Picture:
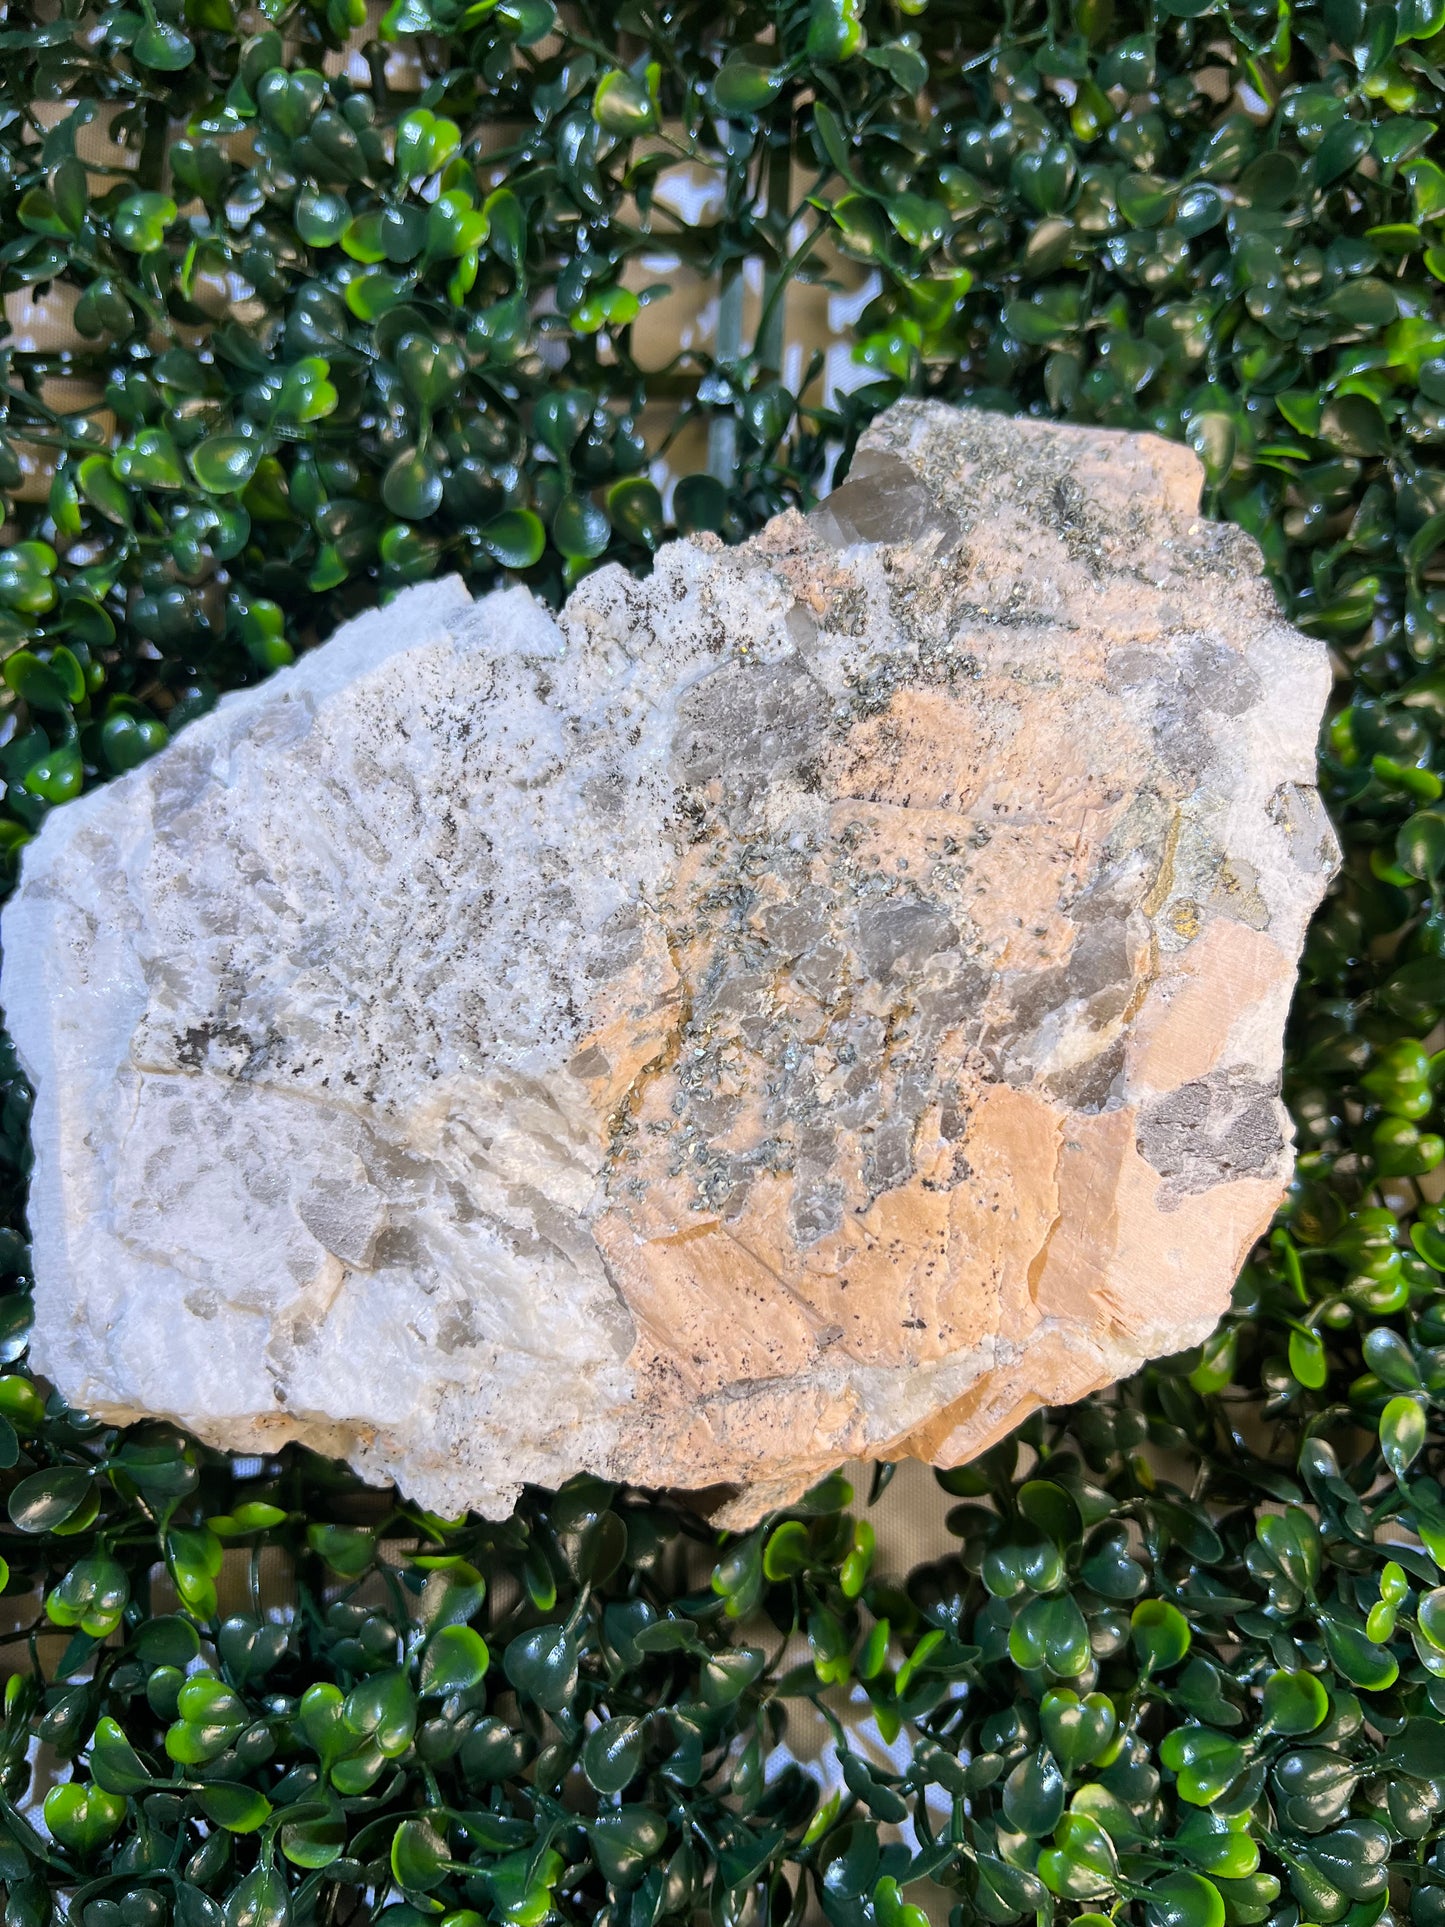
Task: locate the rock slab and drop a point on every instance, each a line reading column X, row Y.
column 822, row 1001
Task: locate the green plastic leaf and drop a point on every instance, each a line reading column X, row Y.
column 1082, row 1863
column 289, row 102
column 636, row 510
column 1077, row 1731
column 425, row 142
column 613, row 1753
column 626, row 104
column 348, row 1550
column 261, row 1899
column 1206, row 1762
column 314, row 1842
column 149, row 460
column 412, row 485
column 1160, row 1634
column 1050, row 1632
column 786, row 1553
column 238, row 1809
column 419, row 1855
column 92, row 1595
column 44, row 1500
column 1294, row 1702
column 1430, row 1617
column 1363, row 1663
column 727, row 1675
column 515, row 538
column 699, row 502
column 141, row 222
column 542, row 1665
column 744, row 84
column 580, row 529
column 1402, row 1433
column 1307, row 1360
column 98, row 484
column 1184, row 1900
column 164, row 47
column 456, row 1659
column 224, row 464
column 1293, row 1541
column 1214, row 437
column 1034, row 1794
column 114, row 1763
column 559, row 418
column 625, row 1840
column 83, row 1818
column 1219, row 1844
column 44, row 685
column 835, row 30
column 382, row 1708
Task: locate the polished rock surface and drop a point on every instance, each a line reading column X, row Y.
column 822, row 1001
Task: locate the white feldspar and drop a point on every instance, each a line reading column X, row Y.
column 819, row 1002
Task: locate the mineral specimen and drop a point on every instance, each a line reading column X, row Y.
column 821, row 1001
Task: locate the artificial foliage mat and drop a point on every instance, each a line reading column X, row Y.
column 1186, row 1665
